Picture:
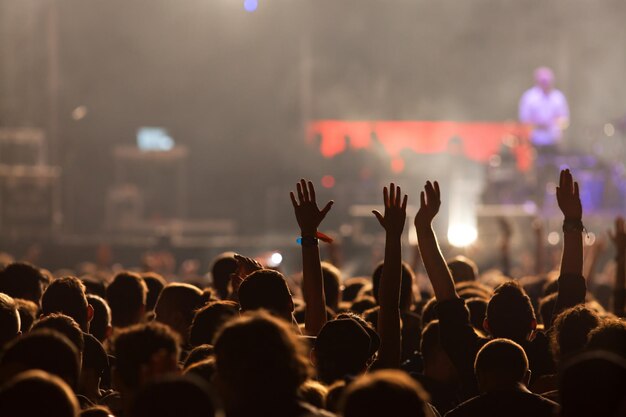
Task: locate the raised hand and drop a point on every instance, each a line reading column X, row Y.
column 618, row 237
column 568, row 197
column 430, row 202
column 308, row 215
column 395, row 210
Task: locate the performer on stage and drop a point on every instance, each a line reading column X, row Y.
column 545, row 109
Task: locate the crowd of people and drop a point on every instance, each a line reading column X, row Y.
column 132, row 344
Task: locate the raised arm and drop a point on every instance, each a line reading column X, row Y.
column 572, row 286
column 389, row 354
column 434, row 262
column 619, row 290
column 309, row 217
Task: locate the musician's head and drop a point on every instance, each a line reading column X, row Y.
column 544, row 78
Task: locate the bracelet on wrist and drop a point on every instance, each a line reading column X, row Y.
column 307, row 241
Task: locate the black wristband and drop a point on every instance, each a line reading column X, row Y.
column 307, row 241
column 575, row 225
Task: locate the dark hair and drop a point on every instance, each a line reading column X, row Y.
column 224, row 265
column 546, row 308
column 209, row 319
column 462, row 269
column 67, row 295
column 332, row 285
column 429, row 312
column 28, row 313
column 362, row 304
column 9, row 319
column 126, row 296
column 478, row 311
column 65, row 325
column 155, row 284
column 430, row 340
column 385, row 393
column 96, row 411
column 204, row 369
column 570, row 330
column 510, row 313
column 255, row 347
column 266, row 289
column 101, row 320
column 352, row 287
column 177, row 305
column 609, row 336
column 501, row 360
column 180, row 396
column 407, row 296
column 36, row 393
column 197, row 354
column 22, row 280
column 43, row 349
column 135, row 347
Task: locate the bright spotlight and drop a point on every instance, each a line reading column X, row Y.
column 250, row 5
column 274, row 260
column 462, row 235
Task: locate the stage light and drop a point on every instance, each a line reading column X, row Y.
column 609, row 129
column 461, row 235
column 554, row 238
column 328, row 181
column 79, row 113
column 274, row 260
column 250, row 5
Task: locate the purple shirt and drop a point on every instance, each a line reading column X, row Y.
column 538, row 108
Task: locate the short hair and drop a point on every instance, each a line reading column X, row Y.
column 155, row 284
column 314, row 393
column 462, row 269
column 43, row 349
column 362, row 304
column 101, row 317
column 430, row 343
column 406, row 286
column 183, row 396
column 501, row 360
column 265, row 289
column 477, row 307
column 126, row 296
column 28, row 313
column 570, row 330
column 178, row 301
column 198, row 354
column 22, row 280
column 65, row 325
column 135, row 347
column 385, row 393
column 546, row 308
column 9, row 319
column 429, row 311
column 204, row 369
column 224, row 265
column 208, row 320
column 67, row 295
column 256, row 346
column 36, row 393
column 609, row 336
column 352, row 288
column 510, row 313
column 332, row 284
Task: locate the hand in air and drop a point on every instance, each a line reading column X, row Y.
column 308, row 215
column 430, row 202
column 568, row 197
column 395, row 210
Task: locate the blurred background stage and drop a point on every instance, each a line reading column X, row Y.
column 150, row 123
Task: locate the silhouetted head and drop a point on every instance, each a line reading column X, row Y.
column 510, row 313
column 10, row 322
column 570, row 330
column 332, row 285
column 176, row 307
column 100, row 326
column 37, row 393
column 28, row 313
column 23, row 280
column 65, row 325
column 501, row 364
column 208, row 320
column 385, row 393
column 437, row 364
column 126, row 296
column 609, row 336
column 43, row 349
column 266, row 289
column 155, row 284
column 463, row 269
column 259, row 359
column 67, row 296
column 144, row 352
column 407, row 297
column 224, row 265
